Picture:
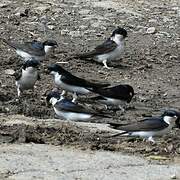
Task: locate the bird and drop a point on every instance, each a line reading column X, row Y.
column 114, row 96
column 69, row 110
column 71, row 83
column 110, row 50
column 34, row 49
column 27, row 76
column 148, row 127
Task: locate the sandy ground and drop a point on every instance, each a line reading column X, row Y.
column 33, row 161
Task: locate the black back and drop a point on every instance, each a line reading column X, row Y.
column 122, row 92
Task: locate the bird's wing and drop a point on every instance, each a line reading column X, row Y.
column 76, row 81
column 35, row 47
column 116, row 92
column 11, row 44
column 104, row 48
column 149, row 124
column 68, row 106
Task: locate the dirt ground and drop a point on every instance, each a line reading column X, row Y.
column 150, row 64
column 40, row 161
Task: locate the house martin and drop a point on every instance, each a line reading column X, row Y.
column 110, row 50
column 69, row 110
column 34, row 49
column 27, row 77
column 114, row 96
column 149, row 127
column 71, row 83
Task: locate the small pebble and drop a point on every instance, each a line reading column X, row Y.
column 151, row 30
column 51, row 27
column 42, row 8
column 9, row 71
column 21, row 12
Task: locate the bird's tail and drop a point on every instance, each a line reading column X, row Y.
column 115, row 125
column 8, row 43
column 85, row 55
column 78, row 56
column 96, row 98
column 103, row 115
column 117, row 134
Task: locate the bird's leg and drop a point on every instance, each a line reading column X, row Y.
column 121, row 108
column 74, row 97
column 106, row 107
column 105, row 64
column 18, row 91
column 151, row 139
column 63, row 93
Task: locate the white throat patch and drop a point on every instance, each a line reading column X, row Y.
column 54, row 73
column 30, row 70
column 169, row 119
column 47, row 48
column 118, row 39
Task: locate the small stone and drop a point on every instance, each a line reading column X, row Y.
column 21, row 12
column 83, row 27
column 152, row 21
column 178, row 12
column 7, row 109
column 84, row 11
column 139, row 27
column 151, row 30
column 4, row 5
column 64, row 32
column 9, row 71
column 166, row 19
column 75, row 33
column 42, row 8
column 44, row 19
column 51, row 27
column 96, row 24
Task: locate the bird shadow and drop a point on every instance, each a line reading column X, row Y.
column 111, row 64
column 119, row 65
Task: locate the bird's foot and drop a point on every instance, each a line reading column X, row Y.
column 105, row 65
column 150, row 139
column 64, row 93
column 74, row 100
column 122, row 109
